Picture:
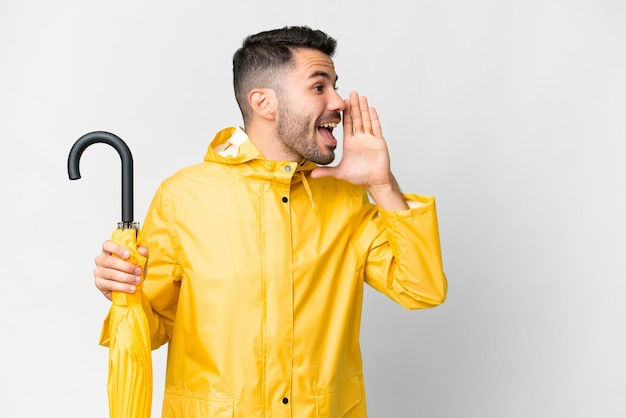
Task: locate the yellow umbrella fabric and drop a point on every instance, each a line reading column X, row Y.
column 130, row 357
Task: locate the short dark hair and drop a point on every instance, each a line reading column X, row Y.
column 263, row 55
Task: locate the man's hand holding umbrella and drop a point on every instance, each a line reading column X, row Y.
column 115, row 271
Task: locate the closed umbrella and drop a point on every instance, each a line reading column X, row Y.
column 130, row 359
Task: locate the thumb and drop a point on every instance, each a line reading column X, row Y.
column 323, row 172
column 143, row 250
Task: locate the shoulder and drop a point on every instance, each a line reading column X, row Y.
column 193, row 173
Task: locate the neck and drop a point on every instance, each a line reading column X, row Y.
column 263, row 136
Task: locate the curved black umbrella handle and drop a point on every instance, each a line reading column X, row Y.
column 127, row 165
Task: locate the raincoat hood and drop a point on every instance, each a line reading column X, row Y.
column 233, row 146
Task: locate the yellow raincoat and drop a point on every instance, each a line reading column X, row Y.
column 255, row 279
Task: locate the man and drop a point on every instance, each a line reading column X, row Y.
column 258, row 255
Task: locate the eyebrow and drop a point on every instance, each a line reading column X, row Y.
column 323, row 74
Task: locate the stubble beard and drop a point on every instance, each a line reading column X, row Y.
column 298, row 135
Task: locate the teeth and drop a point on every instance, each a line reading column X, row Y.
column 329, row 125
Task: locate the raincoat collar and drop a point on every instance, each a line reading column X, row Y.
column 232, row 146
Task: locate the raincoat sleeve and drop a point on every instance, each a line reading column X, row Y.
column 163, row 272
column 403, row 251
column 162, row 275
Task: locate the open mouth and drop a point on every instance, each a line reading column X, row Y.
column 326, row 131
column 329, row 125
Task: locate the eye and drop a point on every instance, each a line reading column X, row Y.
column 320, row 88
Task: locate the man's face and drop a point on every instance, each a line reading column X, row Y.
column 309, row 108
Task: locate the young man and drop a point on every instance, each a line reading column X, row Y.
column 258, row 255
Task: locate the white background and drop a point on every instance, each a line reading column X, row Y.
column 512, row 113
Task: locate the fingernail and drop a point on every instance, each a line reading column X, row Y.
column 132, row 289
column 137, row 279
column 138, row 271
column 125, row 254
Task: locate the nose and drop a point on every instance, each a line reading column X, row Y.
column 336, row 103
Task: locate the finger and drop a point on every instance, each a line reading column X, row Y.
column 110, row 247
column 377, row 129
column 110, row 273
column 113, row 262
column 365, row 115
column 107, row 286
column 347, row 120
column 355, row 112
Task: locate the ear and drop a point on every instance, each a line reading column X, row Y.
column 263, row 103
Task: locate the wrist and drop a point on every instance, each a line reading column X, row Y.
column 388, row 195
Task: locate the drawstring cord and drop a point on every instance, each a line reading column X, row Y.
column 307, row 189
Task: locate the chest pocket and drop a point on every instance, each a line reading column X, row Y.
column 344, row 400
